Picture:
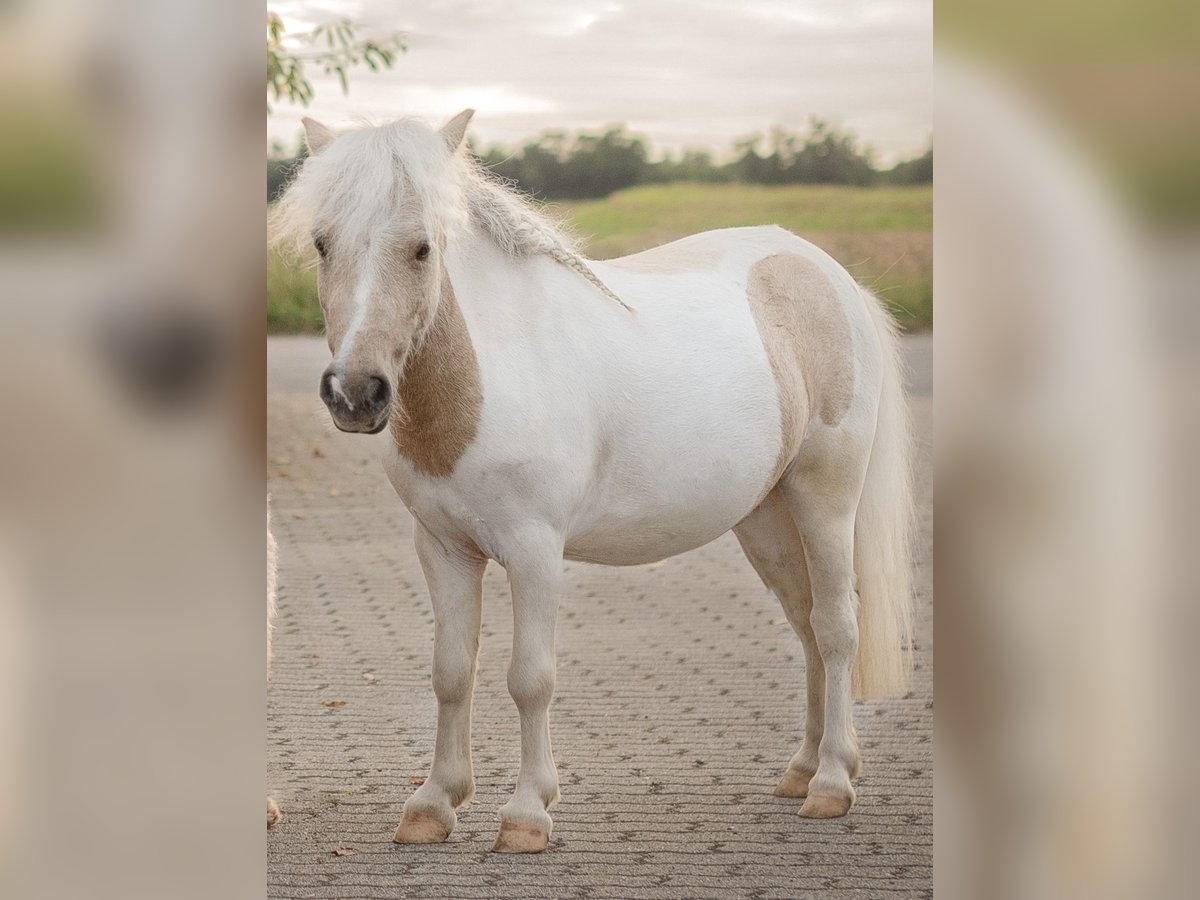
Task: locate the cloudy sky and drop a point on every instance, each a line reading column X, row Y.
column 683, row 73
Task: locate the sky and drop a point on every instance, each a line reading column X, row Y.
column 681, row 73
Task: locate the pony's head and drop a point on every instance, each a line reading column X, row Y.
column 376, row 205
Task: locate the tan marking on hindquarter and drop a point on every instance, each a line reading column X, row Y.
column 670, row 259
column 807, row 338
column 440, row 393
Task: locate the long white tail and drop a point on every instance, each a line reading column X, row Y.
column 883, row 535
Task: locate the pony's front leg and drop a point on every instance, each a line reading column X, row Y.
column 536, row 575
column 455, row 578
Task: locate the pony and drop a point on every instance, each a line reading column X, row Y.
column 543, row 406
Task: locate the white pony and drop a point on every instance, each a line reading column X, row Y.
column 544, row 406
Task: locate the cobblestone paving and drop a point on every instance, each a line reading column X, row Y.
column 679, row 702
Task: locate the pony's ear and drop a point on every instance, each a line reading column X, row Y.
column 455, row 130
column 317, row 135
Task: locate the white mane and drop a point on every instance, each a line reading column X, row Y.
column 354, row 184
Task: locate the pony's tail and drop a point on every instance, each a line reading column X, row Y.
column 883, row 533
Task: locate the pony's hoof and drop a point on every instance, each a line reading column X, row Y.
column 515, row 838
column 421, row 828
column 825, row 806
column 794, row 783
column 273, row 813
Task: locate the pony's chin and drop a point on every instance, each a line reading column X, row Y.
column 355, row 429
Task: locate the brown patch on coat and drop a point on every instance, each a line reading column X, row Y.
column 671, row 259
column 440, row 393
column 808, row 342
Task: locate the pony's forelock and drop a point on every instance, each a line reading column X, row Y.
column 354, row 187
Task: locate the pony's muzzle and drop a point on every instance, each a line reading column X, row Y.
column 357, row 402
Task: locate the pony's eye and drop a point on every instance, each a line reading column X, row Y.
column 423, row 251
column 319, row 243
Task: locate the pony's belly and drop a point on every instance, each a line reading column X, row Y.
column 683, row 473
column 637, row 543
column 628, row 521
column 630, row 530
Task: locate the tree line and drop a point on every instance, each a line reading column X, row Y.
column 557, row 166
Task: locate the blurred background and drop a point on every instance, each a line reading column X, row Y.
column 1067, row 232
column 132, row 276
column 133, row 280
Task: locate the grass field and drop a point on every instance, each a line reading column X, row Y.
column 883, row 236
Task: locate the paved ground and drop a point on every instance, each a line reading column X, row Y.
column 679, row 703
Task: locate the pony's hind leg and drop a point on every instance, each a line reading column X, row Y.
column 822, row 490
column 455, row 577
column 772, row 544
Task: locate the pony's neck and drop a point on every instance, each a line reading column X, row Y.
column 440, row 394
column 482, row 272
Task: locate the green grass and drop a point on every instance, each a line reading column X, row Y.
column 632, row 219
column 292, row 306
column 883, row 236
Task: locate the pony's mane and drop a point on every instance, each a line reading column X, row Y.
column 345, row 187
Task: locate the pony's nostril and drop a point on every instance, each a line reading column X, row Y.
column 379, row 394
column 326, row 391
